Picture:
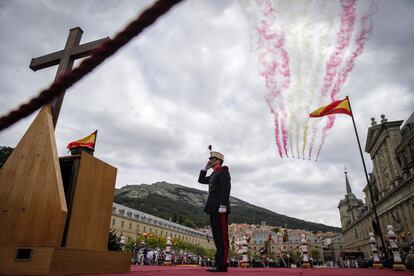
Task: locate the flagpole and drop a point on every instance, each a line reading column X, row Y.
column 368, row 182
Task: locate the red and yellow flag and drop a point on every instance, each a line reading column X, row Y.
column 336, row 107
column 86, row 142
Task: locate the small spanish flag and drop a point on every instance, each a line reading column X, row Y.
column 336, row 107
column 86, row 142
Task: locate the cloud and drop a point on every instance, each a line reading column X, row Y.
column 191, row 80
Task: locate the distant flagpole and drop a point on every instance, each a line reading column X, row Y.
column 368, row 182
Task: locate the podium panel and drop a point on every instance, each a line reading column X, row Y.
column 89, row 185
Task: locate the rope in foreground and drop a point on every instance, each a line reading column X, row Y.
column 107, row 49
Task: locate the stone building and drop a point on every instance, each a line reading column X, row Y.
column 332, row 248
column 392, row 153
column 284, row 246
column 132, row 223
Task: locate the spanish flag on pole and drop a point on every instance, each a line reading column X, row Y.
column 336, row 107
column 344, row 107
column 86, row 142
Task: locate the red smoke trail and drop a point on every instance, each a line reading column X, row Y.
column 363, row 35
column 275, row 68
column 284, row 133
column 361, row 38
column 329, row 124
column 286, row 73
column 343, row 38
column 277, row 138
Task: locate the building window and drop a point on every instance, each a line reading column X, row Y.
column 145, row 228
column 130, row 225
column 122, row 224
column 113, row 222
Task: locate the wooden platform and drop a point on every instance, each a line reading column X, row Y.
column 61, row 261
column 55, row 212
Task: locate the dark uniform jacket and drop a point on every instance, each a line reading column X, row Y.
column 218, row 189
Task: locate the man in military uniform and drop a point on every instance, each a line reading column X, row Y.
column 218, row 206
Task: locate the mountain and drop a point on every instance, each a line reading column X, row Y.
column 185, row 205
column 4, row 154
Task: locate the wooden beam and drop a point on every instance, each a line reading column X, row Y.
column 53, row 59
column 65, row 59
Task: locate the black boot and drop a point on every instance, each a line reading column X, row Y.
column 220, row 268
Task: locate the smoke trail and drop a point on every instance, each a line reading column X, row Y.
column 291, row 144
column 275, row 68
column 325, row 31
column 343, row 40
column 329, row 125
column 305, row 138
column 269, row 65
column 307, row 64
column 361, row 38
column 294, row 28
column 312, row 141
column 277, row 138
column 284, row 133
column 344, row 35
column 286, row 73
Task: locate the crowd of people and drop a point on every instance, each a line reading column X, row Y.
column 354, row 263
column 141, row 255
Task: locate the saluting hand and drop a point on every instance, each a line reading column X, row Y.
column 208, row 165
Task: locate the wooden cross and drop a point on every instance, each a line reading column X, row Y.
column 65, row 59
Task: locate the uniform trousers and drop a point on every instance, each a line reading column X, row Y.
column 219, row 228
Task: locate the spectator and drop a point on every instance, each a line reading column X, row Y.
column 409, row 260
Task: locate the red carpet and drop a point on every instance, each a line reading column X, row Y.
column 194, row 271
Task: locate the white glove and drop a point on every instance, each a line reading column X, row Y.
column 222, row 209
